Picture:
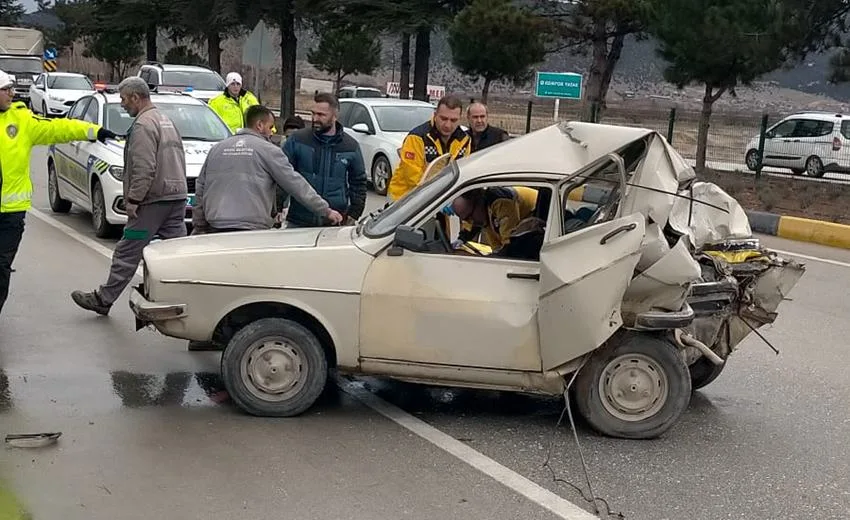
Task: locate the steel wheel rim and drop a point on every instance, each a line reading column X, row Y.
column 381, row 175
column 98, row 211
column 274, row 369
column 633, row 387
column 752, row 160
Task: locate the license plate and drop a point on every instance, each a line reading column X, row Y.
column 190, row 201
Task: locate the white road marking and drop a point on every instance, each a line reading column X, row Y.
column 76, row 235
column 507, row 477
column 813, row 258
column 546, row 499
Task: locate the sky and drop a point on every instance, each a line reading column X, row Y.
column 29, row 5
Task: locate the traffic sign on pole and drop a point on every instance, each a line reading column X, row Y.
column 558, row 85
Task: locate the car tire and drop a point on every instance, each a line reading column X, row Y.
column 751, row 158
column 637, row 386
column 381, row 174
column 102, row 227
column 814, row 167
column 251, row 368
column 57, row 203
column 704, row 372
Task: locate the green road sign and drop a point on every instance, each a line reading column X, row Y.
column 559, row 85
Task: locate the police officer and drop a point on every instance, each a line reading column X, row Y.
column 20, row 130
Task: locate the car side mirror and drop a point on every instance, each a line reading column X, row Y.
column 362, row 128
column 410, row 238
column 770, row 135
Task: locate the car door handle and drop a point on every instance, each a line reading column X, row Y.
column 524, row 276
column 621, row 229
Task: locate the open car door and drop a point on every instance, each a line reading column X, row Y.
column 583, row 277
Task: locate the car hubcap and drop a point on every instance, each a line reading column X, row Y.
column 382, row 173
column 273, row 370
column 813, row 167
column 633, row 387
column 752, row 160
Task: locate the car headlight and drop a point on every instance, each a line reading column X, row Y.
column 117, row 172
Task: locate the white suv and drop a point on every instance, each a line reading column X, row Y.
column 811, row 142
column 199, row 82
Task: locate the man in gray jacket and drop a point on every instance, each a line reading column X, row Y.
column 235, row 190
column 155, row 192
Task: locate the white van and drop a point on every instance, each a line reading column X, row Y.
column 811, row 142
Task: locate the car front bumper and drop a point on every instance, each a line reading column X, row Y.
column 153, row 313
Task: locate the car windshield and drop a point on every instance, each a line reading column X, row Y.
column 69, row 83
column 194, row 79
column 369, row 93
column 194, row 122
column 18, row 65
column 385, row 221
column 402, row 118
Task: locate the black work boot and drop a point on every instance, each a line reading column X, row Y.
column 90, row 301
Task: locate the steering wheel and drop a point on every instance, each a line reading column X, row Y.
column 441, row 236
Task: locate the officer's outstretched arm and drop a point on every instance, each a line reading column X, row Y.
column 43, row 131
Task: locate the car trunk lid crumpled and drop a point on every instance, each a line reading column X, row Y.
column 699, row 250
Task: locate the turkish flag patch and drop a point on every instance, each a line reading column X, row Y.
column 409, row 155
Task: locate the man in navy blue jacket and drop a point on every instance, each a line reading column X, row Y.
column 331, row 162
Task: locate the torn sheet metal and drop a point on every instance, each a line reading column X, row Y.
column 705, row 223
column 653, row 248
column 653, row 187
column 665, row 285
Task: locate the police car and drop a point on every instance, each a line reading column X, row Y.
column 90, row 175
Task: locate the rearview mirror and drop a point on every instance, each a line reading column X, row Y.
column 361, row 128
column 410, row 238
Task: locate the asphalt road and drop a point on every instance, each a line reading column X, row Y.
column 148, row 431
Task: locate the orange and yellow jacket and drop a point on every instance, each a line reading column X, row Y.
column 506, row 207
column 421, row 146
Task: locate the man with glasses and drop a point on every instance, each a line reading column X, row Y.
column 20, row 131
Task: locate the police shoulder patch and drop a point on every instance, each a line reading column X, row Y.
column 12, row 131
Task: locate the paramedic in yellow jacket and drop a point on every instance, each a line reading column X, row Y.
column 20, row 130
column 231, row 104
column 441, row 135
column 494, row 212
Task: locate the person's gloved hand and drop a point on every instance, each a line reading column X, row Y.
column 457, row 244
column 103, row 134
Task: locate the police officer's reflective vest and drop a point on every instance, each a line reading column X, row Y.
column 20, row 130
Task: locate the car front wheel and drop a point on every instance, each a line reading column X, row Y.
column 381, row 173
column 635, row 387
column 102, row 227
column 57, row 203
column 274, row 367
column 752, row 160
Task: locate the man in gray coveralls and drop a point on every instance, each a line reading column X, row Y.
column 155, row 192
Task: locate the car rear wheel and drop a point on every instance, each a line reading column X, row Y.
column 814, row 166
column 381, row 173
column 57, row 203
column 102, row 227
column 635, row 387
column 752, row 159
column 703, row 372
column 274, row 367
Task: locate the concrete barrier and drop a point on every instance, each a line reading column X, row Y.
column 800, row 229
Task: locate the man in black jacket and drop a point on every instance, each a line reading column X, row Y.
column 331, row 162
column 483, row 134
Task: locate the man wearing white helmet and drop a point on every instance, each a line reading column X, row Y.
column 20, row 130
column 231, row 104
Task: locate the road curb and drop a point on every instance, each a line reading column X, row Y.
column 800, row 229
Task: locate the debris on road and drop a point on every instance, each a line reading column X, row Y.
column 32, row 440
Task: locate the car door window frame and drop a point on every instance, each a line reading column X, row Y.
column 537, row 183
column 344, row 113
column 367, row 117
column 82, row 101
column 596, row 169
column 92, row 112
column 812, row 128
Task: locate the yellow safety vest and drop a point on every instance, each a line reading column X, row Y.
column 20, row 130
column 231, row 112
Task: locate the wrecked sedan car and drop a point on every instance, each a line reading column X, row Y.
column 635, row 285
